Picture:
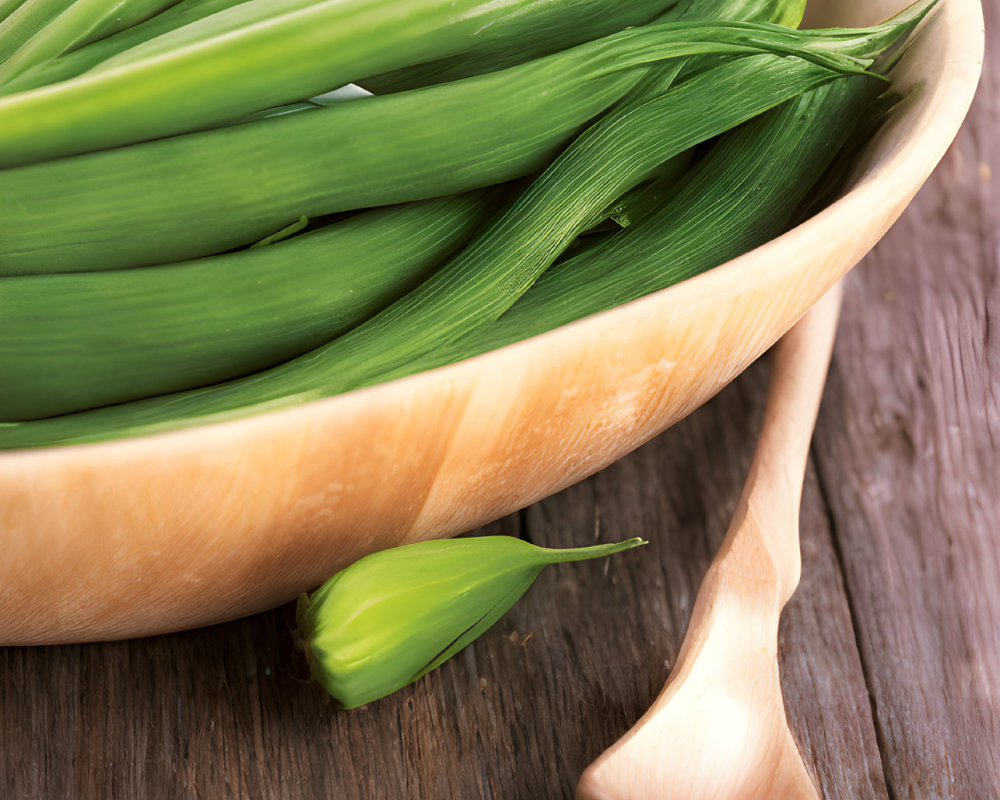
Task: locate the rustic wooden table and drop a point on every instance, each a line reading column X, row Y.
column 890, row 649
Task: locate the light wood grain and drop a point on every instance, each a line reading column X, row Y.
column 718, row 730
column 135, row 537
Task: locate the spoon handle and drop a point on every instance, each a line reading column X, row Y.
column 773, row 490
column 718, row 729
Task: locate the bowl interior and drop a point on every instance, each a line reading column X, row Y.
column 189, row 528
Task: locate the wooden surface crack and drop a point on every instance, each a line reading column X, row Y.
column 816, row 460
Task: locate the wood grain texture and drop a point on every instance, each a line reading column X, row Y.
column 913, row 477
column 890, row 661
column 719, row 730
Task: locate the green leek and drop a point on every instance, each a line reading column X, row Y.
column 395, row 615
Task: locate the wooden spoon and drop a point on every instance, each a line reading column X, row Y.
column 718, row 729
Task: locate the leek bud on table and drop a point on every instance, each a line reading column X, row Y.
column 393, row 616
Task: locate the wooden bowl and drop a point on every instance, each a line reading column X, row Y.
column 184, row 529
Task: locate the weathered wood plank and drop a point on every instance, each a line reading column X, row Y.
column 913, row 475
column 826, row 698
